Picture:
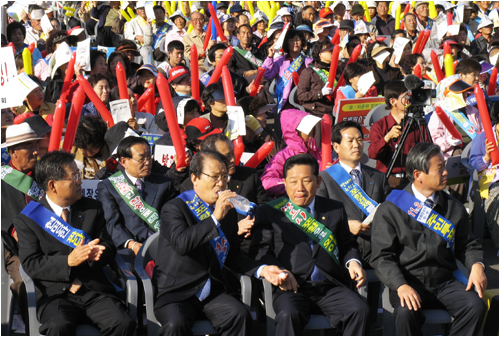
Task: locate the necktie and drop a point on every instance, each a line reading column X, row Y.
column 316, row 274
column 77, row 284
column 355, row 177
column 429, row 203
column 140, row 187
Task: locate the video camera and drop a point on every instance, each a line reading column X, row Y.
column 418, row 95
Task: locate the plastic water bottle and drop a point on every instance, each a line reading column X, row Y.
column 241, row 204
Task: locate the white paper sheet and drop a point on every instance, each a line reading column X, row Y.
column 46, row 25
column 380, row 57
column 164, row 154
column 365, row 82
column 83, row 54
column 236, row 124
column 120, row 110
column 454, row 29
column 399, row 46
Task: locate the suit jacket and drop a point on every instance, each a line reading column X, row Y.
column 122, row 223
column 13, row 202
column 45, row 259
column 404, row 251
column 185, row 257
column 244, row 182
column 375, row 186
column 277, row 241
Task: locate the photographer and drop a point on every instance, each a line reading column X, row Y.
column 385, row 134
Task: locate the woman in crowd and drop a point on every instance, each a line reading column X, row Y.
column 455, row 46
column 260, row 24
column 410, row 62
column 298, row 132
column 89, row 148
column 35, row 103
column 352, row 74
column 480, row 160
column 378, row 56
column 58, row 66
column 228, row 24
column 16, row 33
column 98, row 63
column 213, row 98
column 55, row 39
column 100, row 84
column 142, row 122
column 282, row 68
column 312, row 90
column 177, row 32
column 113, row 60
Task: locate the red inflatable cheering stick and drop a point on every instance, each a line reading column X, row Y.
column 239, row 148
column 121, row 78
column 326, row 141
column 96, row 100
column 485, row 119
column 223, row 61
column 171, row 117
column 257, row 81
column 74, row 119
column 195, row 82
column 448, row 124
column 260, row 155
column 333, row 68
column 213, row 15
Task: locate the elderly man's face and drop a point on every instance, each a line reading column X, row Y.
column 382, row 9
column 197, row 20
column 410, row 23
column 423, row 11
column 24, row 155
column 211, row 180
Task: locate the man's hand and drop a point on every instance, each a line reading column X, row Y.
column 245, row 226
column 249, row 73
column 139, row 38
column 132, row 122
column 489, row 149
column 357, row 273
column 81, row 253
column 210, row 44
column 357, row 227
column 222, row 206
column 96, row 250
column 409, row 296
column 394, row 133
column 272, row 274
column 288, row 282
column 477, row 278
column 14, row 235
column 250, row 87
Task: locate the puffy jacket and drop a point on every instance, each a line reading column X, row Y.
column 272, row 179
column 309, row 91
column 276, row 68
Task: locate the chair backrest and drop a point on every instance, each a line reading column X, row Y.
column 272, row 87
column 465, row 156
column 148, row 251
column 375, row 114
column 293, row 98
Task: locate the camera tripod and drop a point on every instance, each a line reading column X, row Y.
column 415, row 117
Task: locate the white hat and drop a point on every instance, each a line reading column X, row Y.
column 394, row 8
column 308, row 123
column 347, row 5
column 37, row 14
column 177, row 13
column 371, row 4
column 274, row 28
column 284, row 11
column 140, row 4
column 19, row 133
column 61, row 56
column 76, row 31
column 446, row 4
column 259, row 16
column 485, row 22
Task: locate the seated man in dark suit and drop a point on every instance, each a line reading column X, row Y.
column 197, row 238
column 63, row 247
column 347, row 139
column 132, row 197
column 417, row 234
column 243, row 180
column 309, row 236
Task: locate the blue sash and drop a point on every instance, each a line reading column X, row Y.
column 159, row 34
column 201, row 211
column 55, row 226
column 353, row 191
column 205, row 78
column 286, row 78
column 348, row 92
column 465, row 124
column 428, row 218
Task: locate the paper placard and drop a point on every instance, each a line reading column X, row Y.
column 150, row 13
column 83, row 54
column 365, row 82
column 89, row 188
column 17, row 90
column 279, row 44
column 457, row 172
column 236, row 123
column 399, row 46
column 459, row 12
column 16, row 10
column 380, row 57
column 454, row 29
column 442, row 25
column 120, row 110
column 164, row 154
column 246, row 156
column 46, row 25
column 124, row 5
column 8, row 72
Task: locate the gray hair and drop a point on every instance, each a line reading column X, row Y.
column 419, row 157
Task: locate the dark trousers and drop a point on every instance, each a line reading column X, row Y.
column 343, row 308
column 228, row 316
column 466, row 307
column 60, row 316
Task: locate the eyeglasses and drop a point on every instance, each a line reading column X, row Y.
column 75, row 177
column 217, row 178
column 198, row 20
column 143, row 159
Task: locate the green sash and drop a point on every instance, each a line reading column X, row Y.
column 310, row 226
column 323, row 74
column 21, row 182
column 247, row 54
column 132, row 197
